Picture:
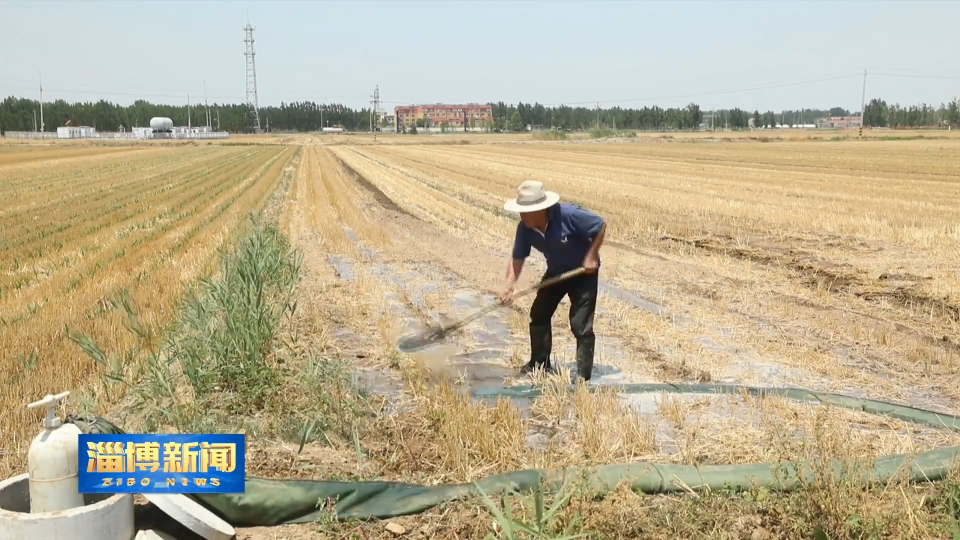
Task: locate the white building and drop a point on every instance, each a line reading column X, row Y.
column 183, row 131
column 75, row 132
column 143, row 132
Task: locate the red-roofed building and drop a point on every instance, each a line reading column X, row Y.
column 473, row 115
column 839, row 122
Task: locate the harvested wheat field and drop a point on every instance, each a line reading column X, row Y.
column 80, row 225
column 827, row 266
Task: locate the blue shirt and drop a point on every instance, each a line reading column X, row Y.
column 569, row 234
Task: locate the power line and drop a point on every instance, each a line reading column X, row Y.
column 712, row 93
column 914, row 70
column 109, row 93
column 148, row 94
column 594, row 102
column 942, row 77
column 794, row 82
column 730, row 91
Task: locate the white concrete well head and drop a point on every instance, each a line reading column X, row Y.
column 101, row 518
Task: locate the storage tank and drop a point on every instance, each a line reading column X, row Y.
column 52, row 462
column 332, row 130
column 161, row 124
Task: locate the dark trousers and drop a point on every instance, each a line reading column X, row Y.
column 582, row 291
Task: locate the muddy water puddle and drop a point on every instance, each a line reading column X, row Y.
column 475, row 356
column 478, row 361
column 478, row 358
column 342, row 267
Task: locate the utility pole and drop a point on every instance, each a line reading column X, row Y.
column 376, row 104
column 189, row 124
column 207, row 103
column 863, row 101
column 218, row 118
column 41, row 101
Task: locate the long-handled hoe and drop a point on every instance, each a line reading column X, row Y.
column 431, row 335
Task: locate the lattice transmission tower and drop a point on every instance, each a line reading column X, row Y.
column 252, row 79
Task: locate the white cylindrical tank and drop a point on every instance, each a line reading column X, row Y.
column 52, row 462
column 161, row 123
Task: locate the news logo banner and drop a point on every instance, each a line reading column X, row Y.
column 181, row 463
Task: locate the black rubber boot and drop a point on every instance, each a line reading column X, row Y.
column 541, row 342
column 531, row 366
column 585, row 357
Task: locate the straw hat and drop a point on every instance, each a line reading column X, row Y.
column 530, row 198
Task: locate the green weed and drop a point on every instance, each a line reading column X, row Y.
column 552, row 135
column 543, row 516
column 220, row 346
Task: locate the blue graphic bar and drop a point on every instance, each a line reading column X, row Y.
column 182, row 463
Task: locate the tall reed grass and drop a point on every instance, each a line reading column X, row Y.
column 218, row 352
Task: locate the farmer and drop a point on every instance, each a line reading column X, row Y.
column 569, row 237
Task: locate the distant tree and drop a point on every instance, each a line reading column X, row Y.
column 738, row 118
column 516, row 122
column 875, row 113
column 757, row 121
column 695, row 115
column 770, row 119
column 953, row 113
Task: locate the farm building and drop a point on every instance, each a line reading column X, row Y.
column 839, row 122
column 452, row 115
column 75, row 132
column 142, row 132
column 183, row 131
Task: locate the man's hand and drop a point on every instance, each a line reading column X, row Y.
column 590, row 263
column 506, row 297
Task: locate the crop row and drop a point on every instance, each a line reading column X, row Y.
column 460, row 191
column 155, row 271
column 194, row 201
column 155, row 203
column 104, row 193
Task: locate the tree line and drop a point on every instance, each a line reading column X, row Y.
column 878, row 114
column 19, row 114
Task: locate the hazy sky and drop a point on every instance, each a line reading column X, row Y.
column 632, row 53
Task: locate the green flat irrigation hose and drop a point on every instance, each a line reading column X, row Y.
column 275, row 502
